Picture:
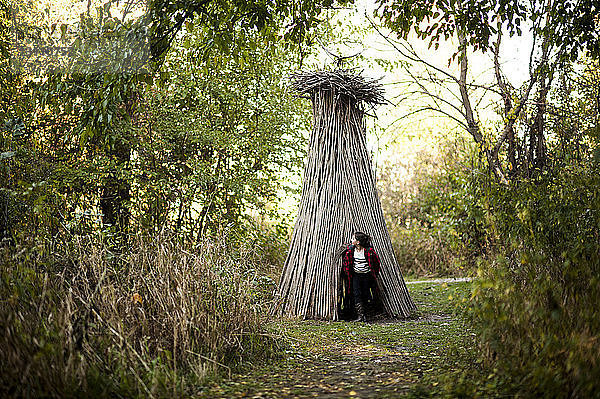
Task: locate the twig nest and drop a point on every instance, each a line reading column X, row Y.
column 346, row 82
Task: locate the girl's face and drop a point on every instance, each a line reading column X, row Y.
column 355, row 241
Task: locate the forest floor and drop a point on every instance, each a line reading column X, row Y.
column 384, row 358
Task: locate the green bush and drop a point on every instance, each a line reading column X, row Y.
column 423, row 253
column 78, row 320
column 536, row 304
column 435, row 217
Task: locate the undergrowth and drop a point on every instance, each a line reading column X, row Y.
column 534, row 305
column 435, row 221
column 81, row 320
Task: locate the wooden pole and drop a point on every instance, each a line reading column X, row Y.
column 339, row 197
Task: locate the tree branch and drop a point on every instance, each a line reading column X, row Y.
column 429, row 108
column 413, row 57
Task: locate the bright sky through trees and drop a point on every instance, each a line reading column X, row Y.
column 393, row 137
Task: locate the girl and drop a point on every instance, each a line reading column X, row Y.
column 361, row 266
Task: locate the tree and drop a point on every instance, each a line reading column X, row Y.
column 560, row 31
column 294, row 19
column 73, row 106
column 215, row 134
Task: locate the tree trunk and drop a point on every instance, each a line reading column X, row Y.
column 115, row 192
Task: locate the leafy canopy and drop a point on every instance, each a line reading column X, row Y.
column 572, row 25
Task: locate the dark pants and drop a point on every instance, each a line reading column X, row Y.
column 362, row 284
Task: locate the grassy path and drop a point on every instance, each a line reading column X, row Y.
column 345, row 359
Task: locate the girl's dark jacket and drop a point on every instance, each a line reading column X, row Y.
column 370, row 256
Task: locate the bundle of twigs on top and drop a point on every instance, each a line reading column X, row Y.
column 345, row 82
column 339, row 197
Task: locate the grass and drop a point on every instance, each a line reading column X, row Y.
column 154, row 323
column 164, row 322
column 344, row 359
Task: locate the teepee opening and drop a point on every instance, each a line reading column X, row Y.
column 339, row 197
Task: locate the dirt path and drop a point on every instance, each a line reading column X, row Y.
column 343, row 359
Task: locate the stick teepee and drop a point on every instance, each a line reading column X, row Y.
column 338, row 198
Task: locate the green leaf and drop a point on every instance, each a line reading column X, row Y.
column 6, row 155
column 63, row 31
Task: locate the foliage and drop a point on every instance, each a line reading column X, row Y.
column 559, row 32
column 224, row 19
column 435, row 217
column 574, row 117
column 534, row 308
column 114, row 130
column 535, row 305
column 98, row 139
column 215, row 135
column 481, row 20
column 79, row 321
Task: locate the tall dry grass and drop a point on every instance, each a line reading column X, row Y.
column 425, row 253
column 79, row 320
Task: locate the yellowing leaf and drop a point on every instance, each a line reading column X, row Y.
column 136, row 298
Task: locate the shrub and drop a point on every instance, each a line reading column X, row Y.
column 423, row 253
column 80, row 320
column 536, row 305
column 435, row 215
